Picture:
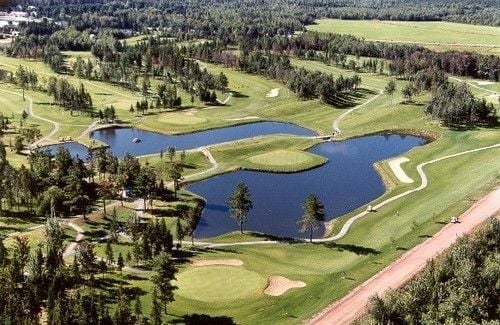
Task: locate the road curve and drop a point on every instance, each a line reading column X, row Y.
column 473, row 85
column 336, row 122
column 32, row 113
column 348, row 224
column 352, row 306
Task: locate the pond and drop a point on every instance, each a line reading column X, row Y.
column 74, row 148
column 120, row 140
column 345, row 183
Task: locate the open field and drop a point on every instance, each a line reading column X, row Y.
column 484, row 39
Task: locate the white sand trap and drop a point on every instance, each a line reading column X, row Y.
column 395, row 165
column 231, row 262
column 493, row 98
column 243, row 118
column 484, row 83
column 273, row 93
column 278, row 285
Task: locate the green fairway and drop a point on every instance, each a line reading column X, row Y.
column 219, row 283
column 430, row 33
column 330, row 270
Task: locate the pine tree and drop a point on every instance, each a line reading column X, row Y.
column 110, row 259
column 240, row 204
column 155, row 315
column 119, row 262
column 163, row 277
column 179, row 231
column 314, row 215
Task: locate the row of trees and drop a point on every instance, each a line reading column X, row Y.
column 63, row 92
column 69, row 96
column 460, row 287
column 405, row 59
column 306, row 84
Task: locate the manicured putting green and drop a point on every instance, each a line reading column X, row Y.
column 181, row 119
column 282, row 158
column 219, row 283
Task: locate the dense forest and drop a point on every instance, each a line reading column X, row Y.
column 460, row 287
column 283, row 16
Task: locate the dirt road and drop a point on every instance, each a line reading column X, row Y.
column 349, row 308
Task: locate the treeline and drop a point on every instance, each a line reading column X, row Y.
column 460, row 287
column 306, row 84
column 456, row 106
column 64, row 93
column 153, row 58
column 71, row 185
column 69, row 96
column 236, row 18
column 404, row 58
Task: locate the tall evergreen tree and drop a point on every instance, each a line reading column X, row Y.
column 240, row 204
column 314, row 215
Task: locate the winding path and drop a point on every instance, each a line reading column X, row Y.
column 32, row 113
column 473, row 85
column 352, row 306
column 336, row 122
column 348, row 224
column 70, row 249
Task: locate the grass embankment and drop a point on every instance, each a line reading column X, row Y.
column 195, row 162
column 439, row 36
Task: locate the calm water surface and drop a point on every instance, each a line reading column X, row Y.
column 345, row 183
column 120, row 140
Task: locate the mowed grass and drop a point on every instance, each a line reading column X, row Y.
column 194, row 162
column 283, row 159
column 249, row 103
column 103, row 94
column 219, row 283
column 272, row 154
column 331, row 270
column 413, row 32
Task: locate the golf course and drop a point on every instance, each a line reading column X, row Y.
column 278, row 276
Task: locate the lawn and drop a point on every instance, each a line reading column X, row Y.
column 445, row 33
column 273, row 154
column 329, row 270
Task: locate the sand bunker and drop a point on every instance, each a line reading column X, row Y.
column 278, row 285
column 395, row 165
column 190, row 112
column 484, row 83
column 231, row 262
column 243, row 118
column 493, row 98
column 273, row 93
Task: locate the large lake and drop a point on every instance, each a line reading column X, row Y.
column 345, row 183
